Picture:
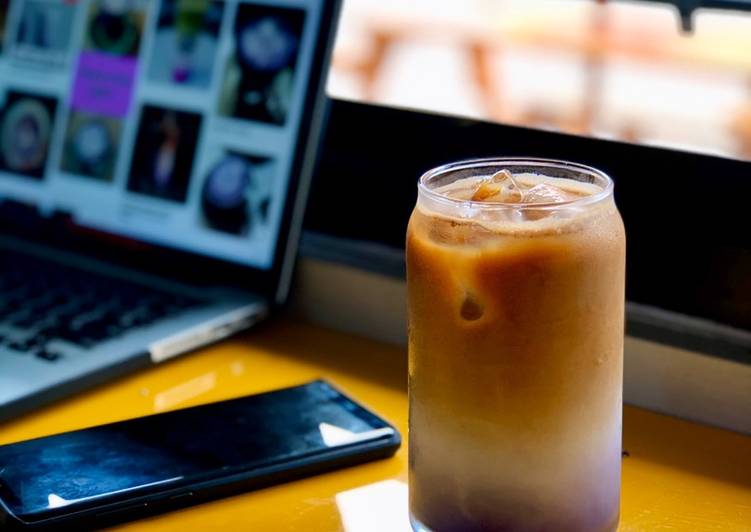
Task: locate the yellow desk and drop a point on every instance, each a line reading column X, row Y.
column 678, row 475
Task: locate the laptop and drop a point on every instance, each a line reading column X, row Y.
column 155, row 158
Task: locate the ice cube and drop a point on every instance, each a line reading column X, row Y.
column 502, row 176
column 500, row 187
column 511, row 192
column 485, row 191
column 545, row 193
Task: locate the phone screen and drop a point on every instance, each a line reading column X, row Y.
column 62, row 473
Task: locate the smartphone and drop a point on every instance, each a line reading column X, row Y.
column 121, row 471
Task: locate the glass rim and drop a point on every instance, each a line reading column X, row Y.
column 422, row 184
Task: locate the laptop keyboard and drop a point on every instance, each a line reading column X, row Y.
column 43, row 303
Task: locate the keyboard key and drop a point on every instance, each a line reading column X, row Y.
column 49, row 356
column 20, row 347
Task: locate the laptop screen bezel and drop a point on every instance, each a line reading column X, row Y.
column 60, row 231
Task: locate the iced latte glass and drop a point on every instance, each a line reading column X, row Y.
column 515, row 274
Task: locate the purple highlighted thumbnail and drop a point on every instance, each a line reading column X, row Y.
column 104, row 84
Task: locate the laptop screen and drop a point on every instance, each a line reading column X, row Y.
column 174, row 122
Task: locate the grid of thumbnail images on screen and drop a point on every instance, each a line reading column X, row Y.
column 75, row 99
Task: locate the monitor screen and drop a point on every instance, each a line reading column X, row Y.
column 174, row 122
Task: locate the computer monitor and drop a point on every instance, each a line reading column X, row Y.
column 180, row 124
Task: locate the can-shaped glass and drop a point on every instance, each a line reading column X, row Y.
column 515, row 278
